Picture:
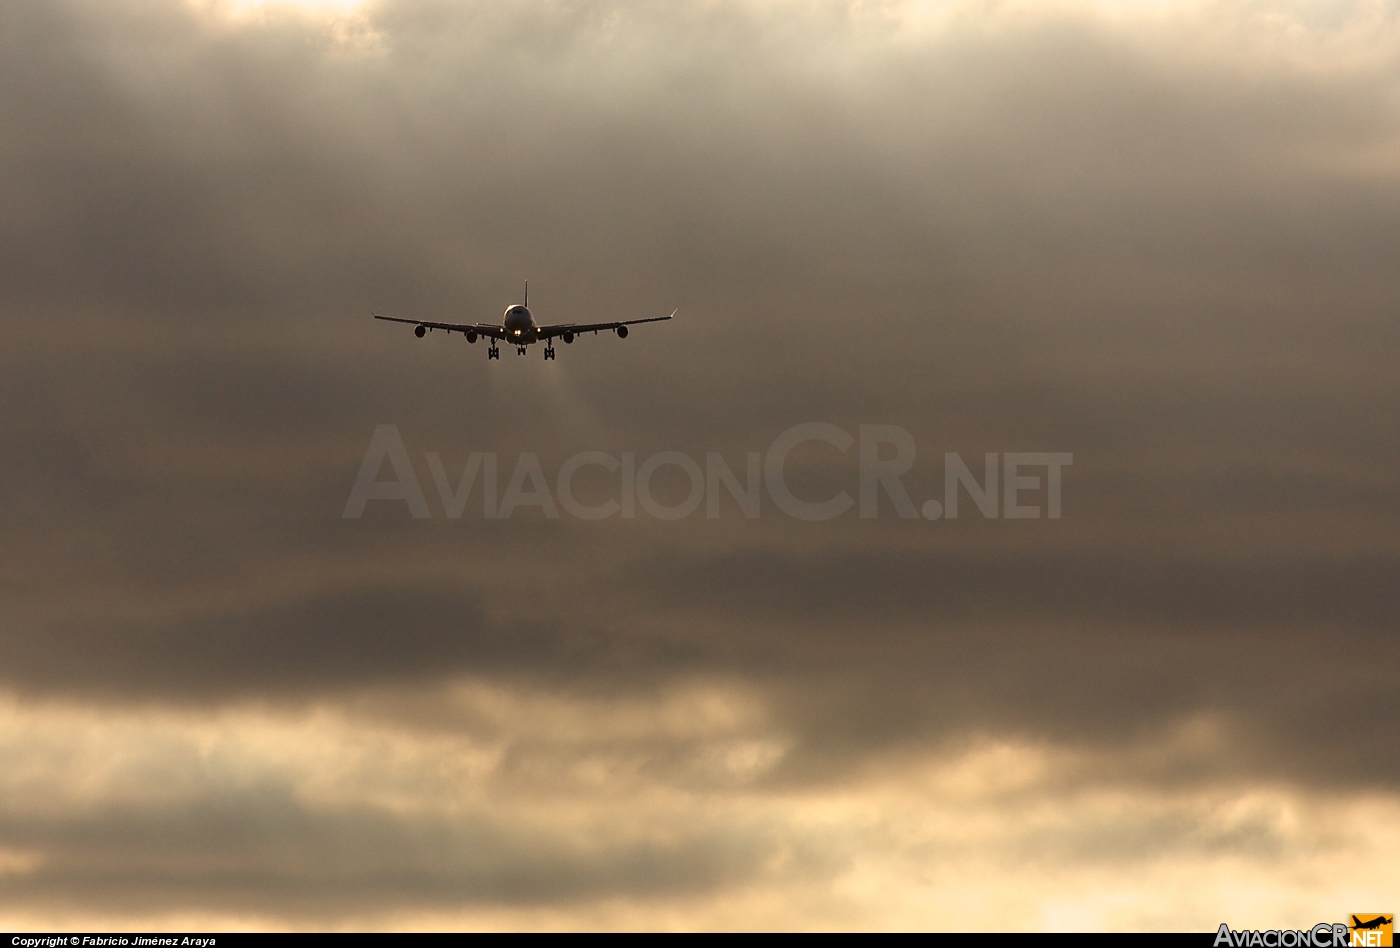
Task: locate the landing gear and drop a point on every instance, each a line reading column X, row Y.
column 549, row 352
column 521, row 350
column 493, row 353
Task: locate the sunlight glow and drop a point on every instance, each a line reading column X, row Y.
column 248, row 9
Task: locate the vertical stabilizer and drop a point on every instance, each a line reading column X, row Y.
column 527, row 294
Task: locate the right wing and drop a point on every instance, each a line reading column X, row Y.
column 549, row 332
column 481, row 329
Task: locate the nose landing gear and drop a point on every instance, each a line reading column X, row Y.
column 521, row 350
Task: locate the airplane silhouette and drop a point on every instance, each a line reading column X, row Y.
column 518, row 328
column 1376, row 922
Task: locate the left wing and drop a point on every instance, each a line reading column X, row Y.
column 549, row 332
column 481, row 329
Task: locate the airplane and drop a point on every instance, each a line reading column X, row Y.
column 1373, row 923
column 518, row 328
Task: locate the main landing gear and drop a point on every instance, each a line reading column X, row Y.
column 493, row 353
column 549, row 352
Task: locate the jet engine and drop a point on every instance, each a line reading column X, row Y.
column 419, row 331
column 471, row 336
column 568, row 338
column 622, row 332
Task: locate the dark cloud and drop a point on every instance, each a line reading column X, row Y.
column 374, row 636
column 1058, row 232
column 1204, row 593
column 260, row 849
column 365, row 635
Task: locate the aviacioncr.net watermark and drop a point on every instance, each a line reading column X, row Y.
column 1011, row 485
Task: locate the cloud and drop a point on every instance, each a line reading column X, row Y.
column 1158, row 239
column 337, row 816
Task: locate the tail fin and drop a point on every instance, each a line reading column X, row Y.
column 527, row 294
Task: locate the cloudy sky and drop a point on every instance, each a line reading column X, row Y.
column 1160, row 236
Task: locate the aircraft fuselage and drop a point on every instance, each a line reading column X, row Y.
column 519, row 325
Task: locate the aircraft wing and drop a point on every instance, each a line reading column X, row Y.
column 549, row 332
column 481, row 329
